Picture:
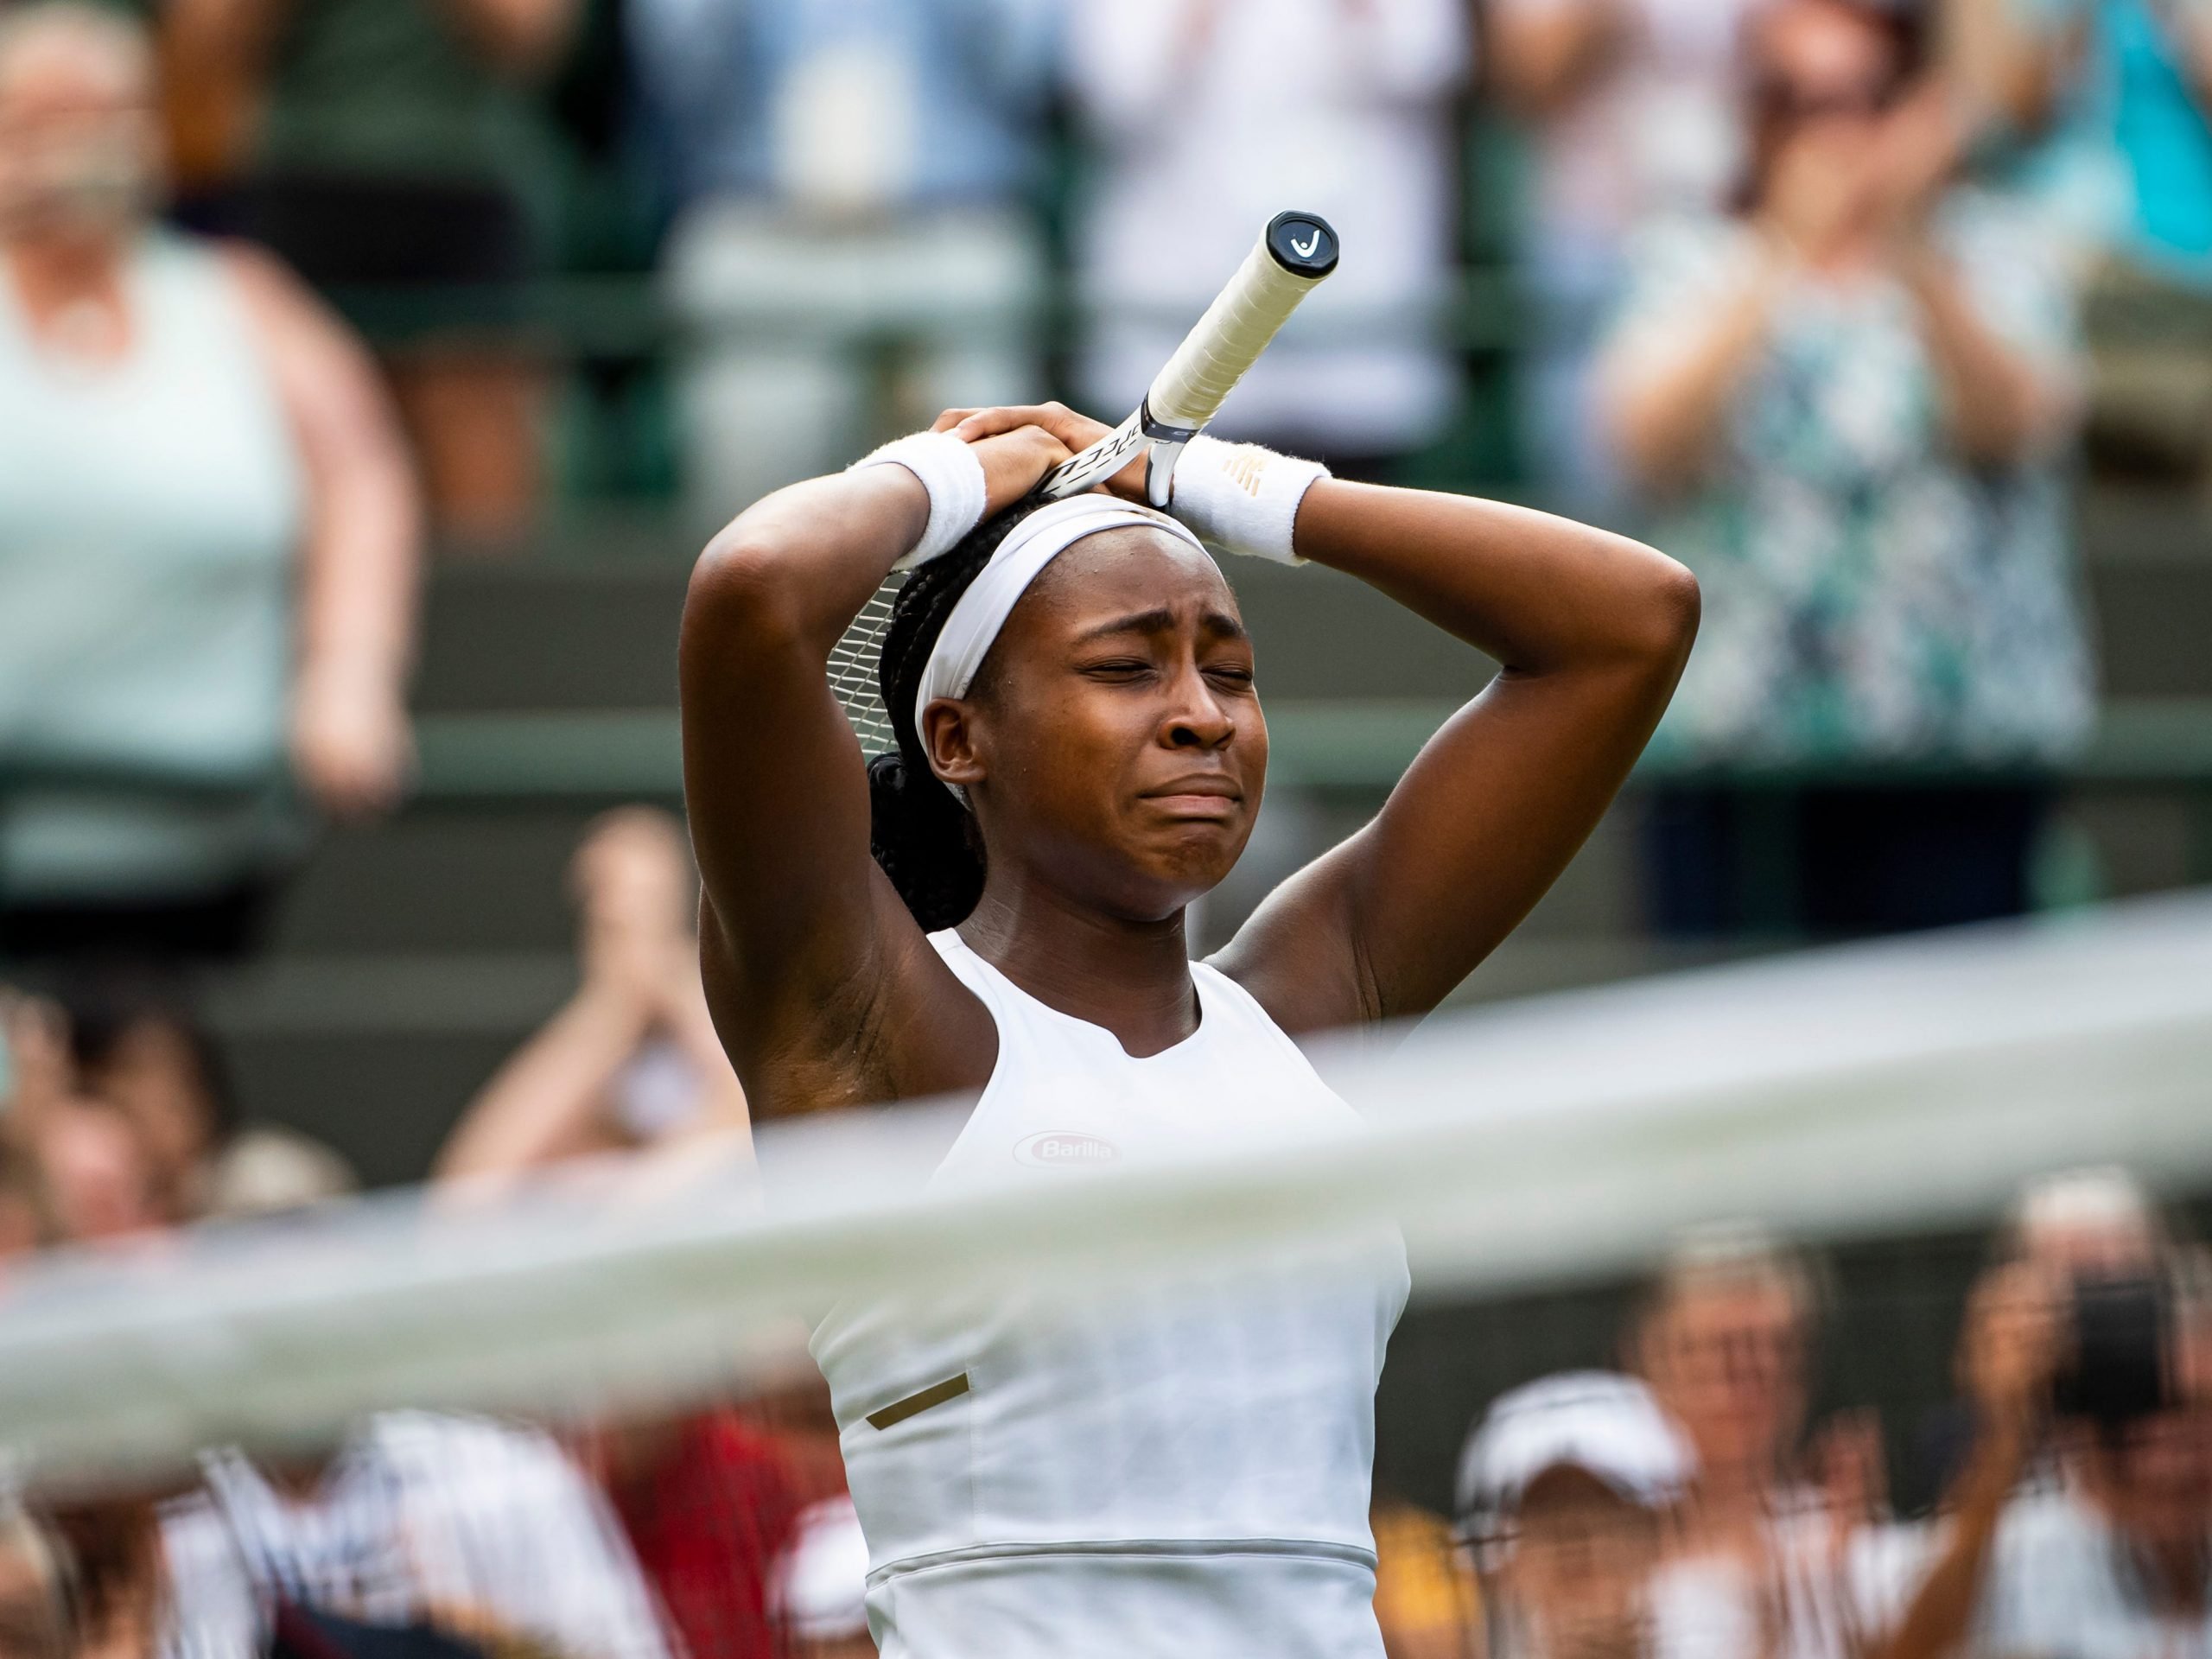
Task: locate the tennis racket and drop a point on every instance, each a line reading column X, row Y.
column 1295, row 254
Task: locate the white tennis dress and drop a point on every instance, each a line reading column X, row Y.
column 1074, row 1473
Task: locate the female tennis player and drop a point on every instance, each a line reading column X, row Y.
column 1081, row 753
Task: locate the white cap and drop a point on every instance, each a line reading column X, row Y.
column 1606, row 1425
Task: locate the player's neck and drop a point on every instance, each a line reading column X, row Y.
column 1132, row 978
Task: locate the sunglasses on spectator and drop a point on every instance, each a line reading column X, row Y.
column 1786, row 103
column 1744, row 1348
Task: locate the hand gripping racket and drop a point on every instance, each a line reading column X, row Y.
column 1296, row 253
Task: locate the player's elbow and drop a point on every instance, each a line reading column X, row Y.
column 1661, row 619
column 744, row 599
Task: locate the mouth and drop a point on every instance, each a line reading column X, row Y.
column 1197, row 798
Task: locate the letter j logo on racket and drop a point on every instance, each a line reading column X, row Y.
column 1064, row 1149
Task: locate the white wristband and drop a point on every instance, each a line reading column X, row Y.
column 952, row 475
column 1243, row 498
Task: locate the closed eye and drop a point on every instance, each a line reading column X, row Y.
column 1119, row 668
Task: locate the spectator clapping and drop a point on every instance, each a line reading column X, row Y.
column 1848, row 408
column 632, row 1060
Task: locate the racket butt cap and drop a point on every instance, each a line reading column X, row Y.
column 1305, row 245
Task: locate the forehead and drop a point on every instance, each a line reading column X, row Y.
column 72, row 62
column 1123, row 572
column 1568, row 1490
column 1763, row 1301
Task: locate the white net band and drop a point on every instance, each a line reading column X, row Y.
column 1847, row 1093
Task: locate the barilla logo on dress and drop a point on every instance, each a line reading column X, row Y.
column 1063, row 1149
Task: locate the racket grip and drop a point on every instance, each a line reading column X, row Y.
column 1295, row 254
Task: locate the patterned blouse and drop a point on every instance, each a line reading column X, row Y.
column 1869, row 594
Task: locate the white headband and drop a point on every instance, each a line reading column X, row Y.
column 981, row 613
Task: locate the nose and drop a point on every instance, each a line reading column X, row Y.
column 1197, row 719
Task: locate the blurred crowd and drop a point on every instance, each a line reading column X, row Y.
column 1685, row 1505
column 1678, row 1499
column 723, row 1533
column 1802, row 289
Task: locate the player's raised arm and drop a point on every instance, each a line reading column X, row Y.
column 1591, row 630
column 799, row 923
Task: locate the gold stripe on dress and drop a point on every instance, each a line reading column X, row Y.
column 914, row 1404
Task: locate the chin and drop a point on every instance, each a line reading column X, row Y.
column 1199, row 858
column 1166, row 881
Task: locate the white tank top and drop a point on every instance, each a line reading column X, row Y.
column 1183, row 1469
column 151, row 513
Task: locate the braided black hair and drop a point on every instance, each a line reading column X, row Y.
column 921, row 833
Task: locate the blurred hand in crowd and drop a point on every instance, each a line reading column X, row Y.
column 1848, row 1460
column 1853, row 163
column 352, row 745
column 1915, row 159
column 632, row 885
column 2013, row 1344
column 35, row 1036
column 633, row 1059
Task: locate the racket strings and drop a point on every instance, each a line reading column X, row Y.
column 855, row 665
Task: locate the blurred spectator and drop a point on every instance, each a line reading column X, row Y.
column 1768, row 1562
column 1424, row 1599
column 2113, row 1557
column 76, row 1169
column 2021, row 72
column 1848, row 409
column 1632, row 105
column 2087, row 1223
column 862, row 164
column 36, row 1618
column 27, row 1221
column 275, row 1171
column 94, row 1168
column 138, row 1044
column 107, row 1551
column 2084, row 1224
column 182, row 424
column 707, row 1504
column 478, row 1530
column 1206, row 118
column 2110, row 104
column 400, row 165
column 1565, row 1492
column 26, row 1211
column 821, row 1590
column 632, row 1060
